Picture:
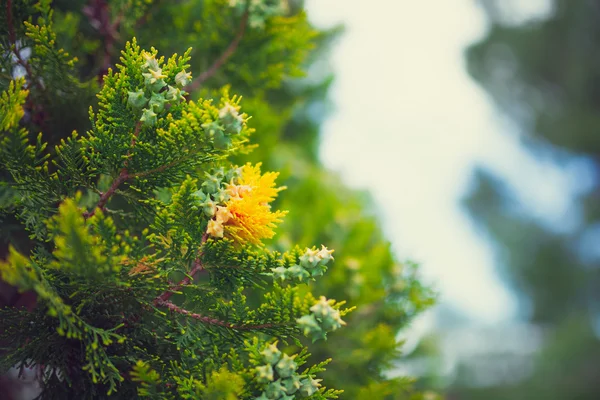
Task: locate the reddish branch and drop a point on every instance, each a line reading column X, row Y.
column 198, row 266
column 184, row 282
column 136, row 133
column 223, row 58
column 123, row 176
column 13, row 42
column 214, row 321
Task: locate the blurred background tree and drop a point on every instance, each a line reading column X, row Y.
column 545, row 76
column 265, row 66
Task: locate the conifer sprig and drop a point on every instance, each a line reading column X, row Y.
column 104, row 287
column 197, row 267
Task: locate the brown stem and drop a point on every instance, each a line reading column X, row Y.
column 198, row 266
column 166, row 295
column 136, row 133
column 13, row 41
column 223, row 58
column 213, row 321
column 123, row 176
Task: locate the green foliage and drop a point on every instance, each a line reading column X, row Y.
column 51, row 71
column 221, row 384
column 121, row 198
column 90, row 251
column 11, row 104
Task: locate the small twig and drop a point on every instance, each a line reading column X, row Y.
column 197, row 267
column 123, row 176
column 213, row 321
column 223, row 58
column 13, row 41
column 136, row 133
column 208, row 320
column 184, row 282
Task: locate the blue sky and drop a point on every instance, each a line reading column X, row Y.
column 409, row 125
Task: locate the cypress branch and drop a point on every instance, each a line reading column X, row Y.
column 230, row 207
column 146, row 235
column 214, row 321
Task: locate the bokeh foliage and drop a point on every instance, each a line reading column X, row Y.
column 545, row 76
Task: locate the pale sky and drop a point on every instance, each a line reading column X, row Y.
column 410, row 125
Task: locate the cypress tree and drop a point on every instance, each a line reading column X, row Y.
column 133, row 215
